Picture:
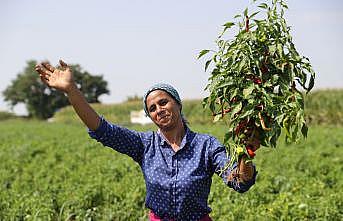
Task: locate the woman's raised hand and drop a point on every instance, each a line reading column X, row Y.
column 60, row 79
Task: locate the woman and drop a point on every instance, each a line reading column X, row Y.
column 177, row 163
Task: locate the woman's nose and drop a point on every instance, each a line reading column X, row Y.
column 159, row 109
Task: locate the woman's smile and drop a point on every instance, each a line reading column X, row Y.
column 164, row 118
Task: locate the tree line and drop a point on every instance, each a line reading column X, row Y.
column 42, row 101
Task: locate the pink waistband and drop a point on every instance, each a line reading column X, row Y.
column 154, row 217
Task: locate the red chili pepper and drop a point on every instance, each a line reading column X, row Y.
column 257, row 80
column 250, row 150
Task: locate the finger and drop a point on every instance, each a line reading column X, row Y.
column 39, row 69
column 48, row 66
column 63, row 64
column 44, row 78
column 42, row 71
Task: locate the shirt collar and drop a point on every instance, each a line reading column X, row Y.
column 185, row 140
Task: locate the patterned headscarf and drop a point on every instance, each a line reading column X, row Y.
column 164, row 87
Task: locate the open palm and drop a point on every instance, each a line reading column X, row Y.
column 58, row 78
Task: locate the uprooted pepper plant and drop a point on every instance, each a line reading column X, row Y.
column 258, row 80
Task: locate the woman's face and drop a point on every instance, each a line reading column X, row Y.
column 164, row 111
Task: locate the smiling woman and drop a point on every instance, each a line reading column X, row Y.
column 177, row 163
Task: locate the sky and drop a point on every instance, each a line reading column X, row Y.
column 137, row 43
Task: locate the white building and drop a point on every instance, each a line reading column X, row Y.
column 139, row 117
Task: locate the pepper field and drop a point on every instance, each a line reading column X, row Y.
column 54, row 171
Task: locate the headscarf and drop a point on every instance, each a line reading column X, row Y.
column 164, row 87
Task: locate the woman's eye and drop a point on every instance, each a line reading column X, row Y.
column 164, row 102
column 152, row 109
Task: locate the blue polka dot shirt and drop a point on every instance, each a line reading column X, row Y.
column 177, row 183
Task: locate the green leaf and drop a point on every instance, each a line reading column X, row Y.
column 227, row 136
column 235, row 92
column 224, row 84
column 207, row 64
column 311, row 84
column 246, row 12
column 202, row 53
column 263, row 5
column 280, row 49
column 248, row 91
column 217, row 118
column 236, row 109
column 247, row 113
column 253, row 14
column 272, row 49
column 251, row 100
column 228, row 24
column 241, row 65
column 284, row 5
column 204, row 102
column 279, row 119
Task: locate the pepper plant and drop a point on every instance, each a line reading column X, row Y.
column 257, row 80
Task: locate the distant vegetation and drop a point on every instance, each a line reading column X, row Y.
column 325, row 107
column 6, row 115
column 321, row 107
column 42, row 101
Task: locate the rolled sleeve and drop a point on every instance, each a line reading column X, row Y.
column 97, row 134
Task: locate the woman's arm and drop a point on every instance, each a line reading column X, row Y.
column 62, row 79
column 86, row 113
column 245, row 171
column 121, row 139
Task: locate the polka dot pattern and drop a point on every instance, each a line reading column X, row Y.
column 178, row 184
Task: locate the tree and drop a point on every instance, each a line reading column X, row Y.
column 41, row 101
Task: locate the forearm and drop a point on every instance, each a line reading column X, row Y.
column 86, row 113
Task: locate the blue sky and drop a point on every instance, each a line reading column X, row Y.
column 136, row 43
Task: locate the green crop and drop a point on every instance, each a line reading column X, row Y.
column 54, row 171
column 256, row 79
